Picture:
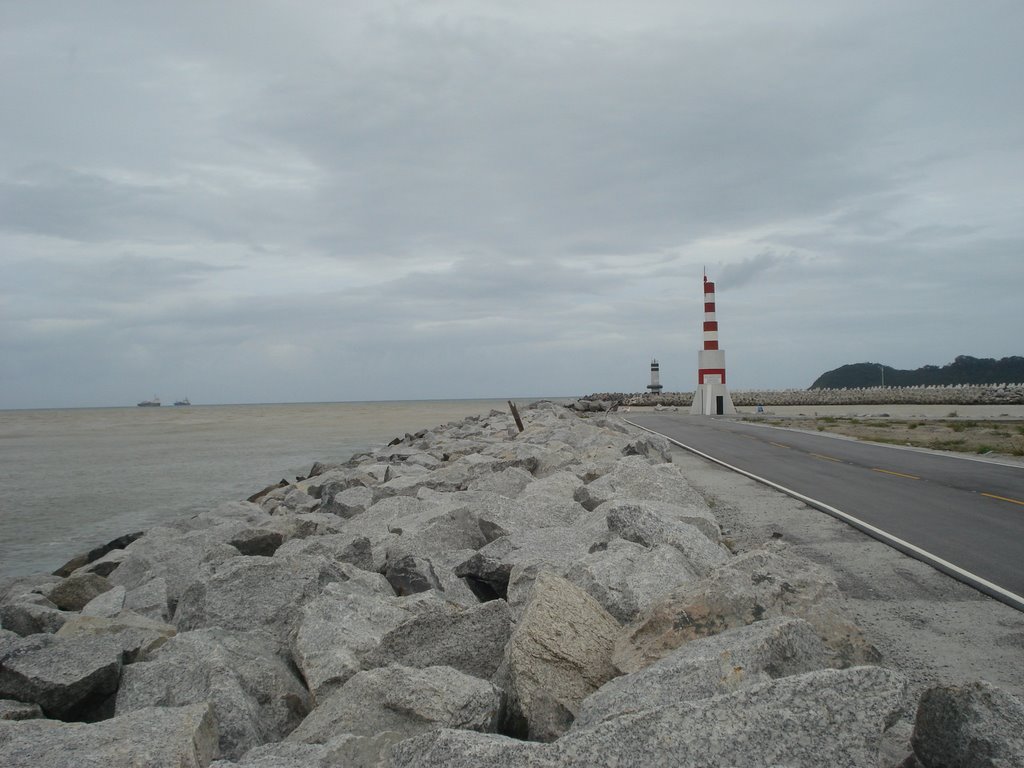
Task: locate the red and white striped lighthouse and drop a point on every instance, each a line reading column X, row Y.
column 710, row 323
column 712, row 396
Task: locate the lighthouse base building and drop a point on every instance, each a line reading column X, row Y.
column 712, row 397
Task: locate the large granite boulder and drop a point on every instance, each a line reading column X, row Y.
column 443, row 634
column 653, row 447
column 644, row 526
column 588, row 442
column 19, row 588
column 453, row 588
column 241, row 513
column 404, row 700
column 161, row 737
column 488, row 571
column 697, row 515
column 497, row 516
column 750, row 587
column 409, row 575
column 737, row 658
column 343, row 751
column 828, row 717
column 19, row 710
column 634, row 477
column 150, row 600
column 175, row 556
column 340, row 626
column 106, row 604
column 257, row 541
column 559, row 653
column 365, row 539
column 87, row 558
column 289, row 501
column 627, row 578
column 69, row 679
column 452, row 476
column 135, row 635
column 334, row 480
column 508, row 482
column 264, row 592
column 301, row 525
column 346, row 502
column 255, row 695
column 30, row 618
column 975, row 725
column 352, row 548
column 74, row 592
column 431, row 537
column 104, row 565
column 557, row 486
column 465, row 749
column 540, row 459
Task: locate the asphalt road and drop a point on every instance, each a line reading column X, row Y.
column 969, row 513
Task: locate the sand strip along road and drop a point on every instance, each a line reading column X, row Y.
column 963, row 517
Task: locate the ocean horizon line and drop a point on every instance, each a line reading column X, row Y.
column 297, row 402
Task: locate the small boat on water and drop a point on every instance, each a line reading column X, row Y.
column 155, row 402
column 183, row 401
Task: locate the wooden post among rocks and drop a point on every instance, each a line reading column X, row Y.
column 515, row 415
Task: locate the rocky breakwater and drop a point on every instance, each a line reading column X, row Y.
column 989, row 394
column 466, row 596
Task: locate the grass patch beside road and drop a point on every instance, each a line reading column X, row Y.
column 967, row 435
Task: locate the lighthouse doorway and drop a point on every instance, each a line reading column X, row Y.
column 720, row 405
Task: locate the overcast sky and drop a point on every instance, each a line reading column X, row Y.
column 259, row 201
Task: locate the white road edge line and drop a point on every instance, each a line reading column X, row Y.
column 982, row 585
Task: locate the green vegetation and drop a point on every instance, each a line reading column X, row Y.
column 963, row 370
column 960, row 426
column 948, row 445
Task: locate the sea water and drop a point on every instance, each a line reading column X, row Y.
column 73, row 479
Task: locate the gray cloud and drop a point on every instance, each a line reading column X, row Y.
column 253, row 202
column 754, row 268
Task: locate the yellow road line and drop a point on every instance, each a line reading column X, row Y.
column 826, row 458
column 1003, row 498
column 780, row 445
column 898, row 474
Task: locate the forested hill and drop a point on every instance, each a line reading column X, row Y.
column 963, row 370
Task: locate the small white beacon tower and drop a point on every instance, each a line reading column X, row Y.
column 655, row 385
